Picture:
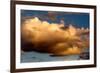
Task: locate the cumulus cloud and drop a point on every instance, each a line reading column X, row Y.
column 51, row 38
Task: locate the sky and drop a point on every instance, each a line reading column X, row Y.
column 76, row 19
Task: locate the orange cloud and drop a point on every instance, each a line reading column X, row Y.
column 50, row 38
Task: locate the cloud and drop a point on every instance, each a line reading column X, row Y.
column 48, row 37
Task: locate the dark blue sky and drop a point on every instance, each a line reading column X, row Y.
column 76, row 19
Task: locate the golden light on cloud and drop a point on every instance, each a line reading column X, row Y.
column 51, row 38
